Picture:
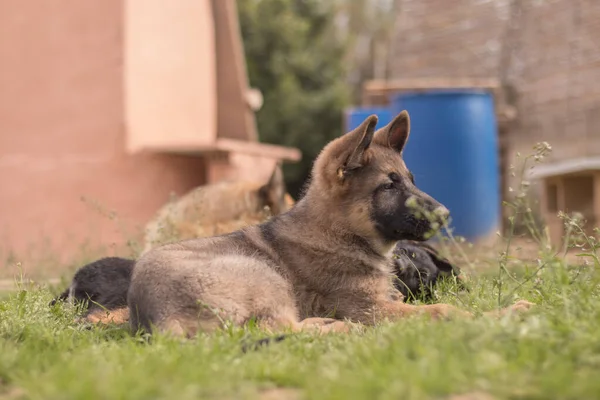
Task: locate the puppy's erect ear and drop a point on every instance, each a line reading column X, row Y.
column 275, row 187
column 276, row 180
column 365, row 131
column 395, row 134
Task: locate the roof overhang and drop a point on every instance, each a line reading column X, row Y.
column 566, row 167
column 227, row 146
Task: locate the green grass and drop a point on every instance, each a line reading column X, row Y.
column 552, row 352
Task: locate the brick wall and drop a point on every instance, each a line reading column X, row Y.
column 546, row 50
column 450, row 38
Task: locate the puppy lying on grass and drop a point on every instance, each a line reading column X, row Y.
column 418, row 267
column 101, row 286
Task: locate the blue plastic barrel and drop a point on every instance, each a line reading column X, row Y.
column 453, row 154
column 356, row 115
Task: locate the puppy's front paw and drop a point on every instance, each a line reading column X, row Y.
column 519, row 307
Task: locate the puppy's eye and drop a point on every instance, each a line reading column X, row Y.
column 394, row 177
column 388, row 186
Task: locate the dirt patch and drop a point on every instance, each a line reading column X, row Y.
column 480, row 258
column 9, row 392
column 471, row 396
column 280, row 394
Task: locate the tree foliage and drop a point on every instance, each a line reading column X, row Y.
column 296, row 59
column 370, row 27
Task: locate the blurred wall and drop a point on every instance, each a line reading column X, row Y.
column 62, row 133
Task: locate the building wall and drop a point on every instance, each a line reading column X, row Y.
column 559, row 81
column 546, row 51
column 448, row 38
column 170, row 74
column 62, row 136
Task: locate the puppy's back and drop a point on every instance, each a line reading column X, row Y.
column 206, row 211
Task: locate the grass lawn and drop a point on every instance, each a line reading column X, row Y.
column 551, row 353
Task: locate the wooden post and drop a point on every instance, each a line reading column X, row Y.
column 596, row 199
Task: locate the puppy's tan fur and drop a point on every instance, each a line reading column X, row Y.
column 327, row 257
column 218, row 208
column 117, row 316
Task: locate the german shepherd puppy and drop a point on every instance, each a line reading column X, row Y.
column 329, row 256
column 218, row 208
column 101, row 286
column 418, row 267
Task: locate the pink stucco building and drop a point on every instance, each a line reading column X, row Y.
column 106, row 107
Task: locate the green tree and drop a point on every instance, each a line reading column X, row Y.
column 370, row 27
column 296, row 59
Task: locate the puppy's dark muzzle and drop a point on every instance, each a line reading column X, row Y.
column 430, row 214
